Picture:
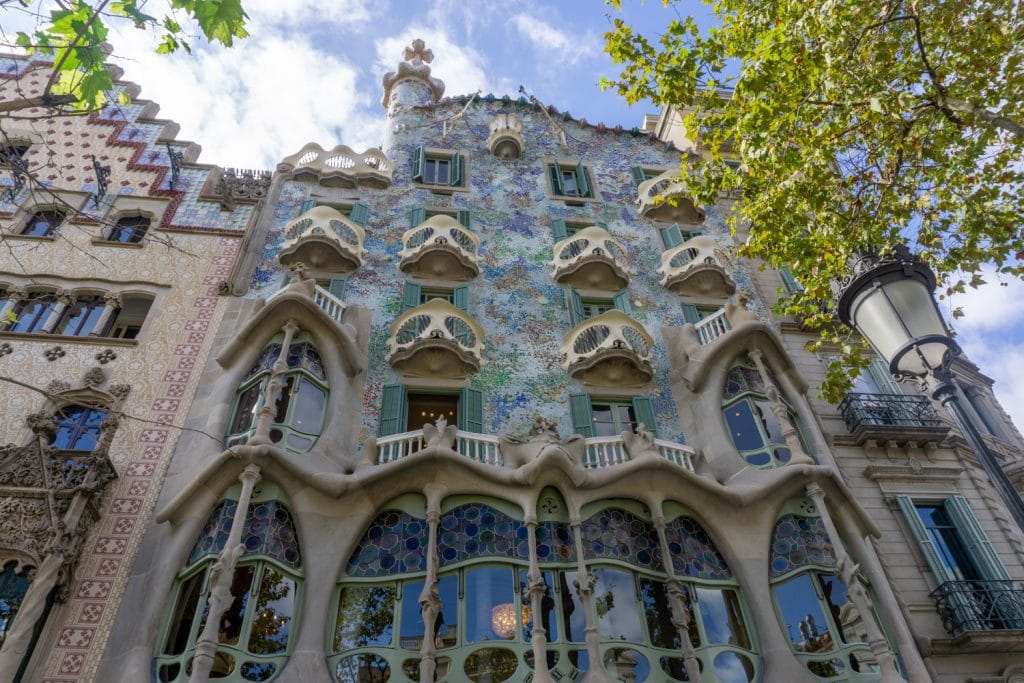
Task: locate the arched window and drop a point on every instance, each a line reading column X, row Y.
column 81, row 317
column 43, row 223
column 129, row 229
column 32, row 313
column 822, row 625
column 14, row 583
column 255, row 633
column 299, row 412
column 755, row 429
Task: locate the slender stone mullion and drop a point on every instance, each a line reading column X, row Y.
column 430, row 599
column 221, row 576
column 681, row 616
column 64, row 301
column 585, row 589
column 14, row 297
column 849, row 572
column 273, row 390
column 537, row 588
column 796, row 449
column 111, row 305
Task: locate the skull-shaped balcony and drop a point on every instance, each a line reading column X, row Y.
column 662, row 198
column 697, row 267
column 608, row 350
column 323, row 239
column 591, row 259
column 435, row 340
column 440, row 248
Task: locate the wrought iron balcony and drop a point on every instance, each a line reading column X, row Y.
column 591, row 259
column 323, row 239
column 435, row 340
column 662, row 198
column 892, row 417
column 697, row 267
column 610, row 349
column 980, row 605
column 340, row 167
column 440, row 248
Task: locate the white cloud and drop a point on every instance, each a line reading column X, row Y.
column 463, row 70
column 297, row 12
column 560, row 44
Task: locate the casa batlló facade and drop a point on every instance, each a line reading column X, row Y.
column 478, row 405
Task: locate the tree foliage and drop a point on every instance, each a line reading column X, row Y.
column 858, row 123
column 72, row 35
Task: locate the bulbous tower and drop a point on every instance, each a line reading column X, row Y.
column 411, row 85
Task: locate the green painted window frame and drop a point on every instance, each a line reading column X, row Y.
column 456, row 167
column 581, row 410
column 578, row 305
column 581, row 178
column 357, row 212
column 413, row 295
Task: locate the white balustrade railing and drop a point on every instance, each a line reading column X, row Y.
column 332, row 305
column 712, row 327
column 341, row 160
column 601, row 451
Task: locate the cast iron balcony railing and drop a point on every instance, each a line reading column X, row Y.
column 895, row 410
column 697, row 267
column 980, row 605
column 591, row 259
column 323, row 239
column 440, row 248
column 661, row 198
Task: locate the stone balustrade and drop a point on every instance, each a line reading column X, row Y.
column 610, row 349
column 591, row 259
column 440, row 248
column 340, row 167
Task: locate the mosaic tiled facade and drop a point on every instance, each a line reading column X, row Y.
column 322, row 476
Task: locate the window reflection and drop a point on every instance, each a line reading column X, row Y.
column 364, row 616
column 615, row 602
column 490, row 608
column 722, row 617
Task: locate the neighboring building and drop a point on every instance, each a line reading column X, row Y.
column 492, row 410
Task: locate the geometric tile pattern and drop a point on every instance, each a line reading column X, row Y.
column 798, row 542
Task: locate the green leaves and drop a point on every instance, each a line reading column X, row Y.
column 868, row 123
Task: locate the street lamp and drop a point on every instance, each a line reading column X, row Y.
column 889, row 299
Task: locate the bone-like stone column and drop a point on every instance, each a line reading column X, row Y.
column 221, row 575
column 681, row 615
column 585, row 589
column 273, row 391
column 537, row 589
column 797, row 454
column 430, row 596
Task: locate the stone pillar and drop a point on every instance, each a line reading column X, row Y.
column 65, row 299
column 111, row 305
column 14, row 297
column 273, row 391
column 536, row 590
column 797, row 454
column 430, row 597
column 849, row 572
column 221, row 575
column 681, row 615
column 585, row 589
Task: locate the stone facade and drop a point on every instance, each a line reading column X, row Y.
column 481, row 384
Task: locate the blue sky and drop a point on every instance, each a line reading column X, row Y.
column 311, row 71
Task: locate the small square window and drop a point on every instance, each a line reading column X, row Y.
column 129, row 230
column 611, row 418
column 444, row 168
column 594, row 307
column 571, row 181
column 43, row 223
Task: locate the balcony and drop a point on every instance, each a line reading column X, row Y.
column 662, row 199
column 600, row 452
column 435, row 340
column 327, row 302
column 323, row 239
column 440, row 248
column 591, row 259
column 339, row 167
column 712, row 327
column 697, row 267
column 892, row 417
column 980, row 606
column 609, row 350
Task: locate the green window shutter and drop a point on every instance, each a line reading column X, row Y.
column 923, row 539
column 582, row 181
column 601, row 224
column 360, row 214
column 879, row 372
column 556, row 179
column 558, row 230
column 307, row 205
column 465, row 216
column 582, row 414
column 638, row 175
column 460, row 295
column 644, row 411
column 671, row 236
column 977, row 544
column 621, row 301
column 337, row 287
column 416, row 216
column 410, row 296
column 575, row 307
column 393, row 409
column 690, row 314
column 419, row 161
column 789, row 282
column 457, row 166
column 471, row 410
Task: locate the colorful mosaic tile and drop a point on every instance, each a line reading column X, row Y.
column 620, row 535
column 693, row 552
column 555, row 542
column 798, row 542
column 742, row 379
column 395, row 543
column 268, row 530
column 476, row 530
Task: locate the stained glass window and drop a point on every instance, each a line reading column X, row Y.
column 617, row 534
column 395, row 543
column 755, row 429
column 799, row 541
column 693, row 552
column 268, row 530
column 477, row 530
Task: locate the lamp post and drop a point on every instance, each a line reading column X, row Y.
column 889, row 299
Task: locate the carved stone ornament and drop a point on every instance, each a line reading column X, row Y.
column 241, row 184
column 119, row 391
column 439, row 435
column 105, row 356
column 415, row 67
column 42, row 423
column 54, row 353
column 57, row 386
column 94, row 377
column 5, row 349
